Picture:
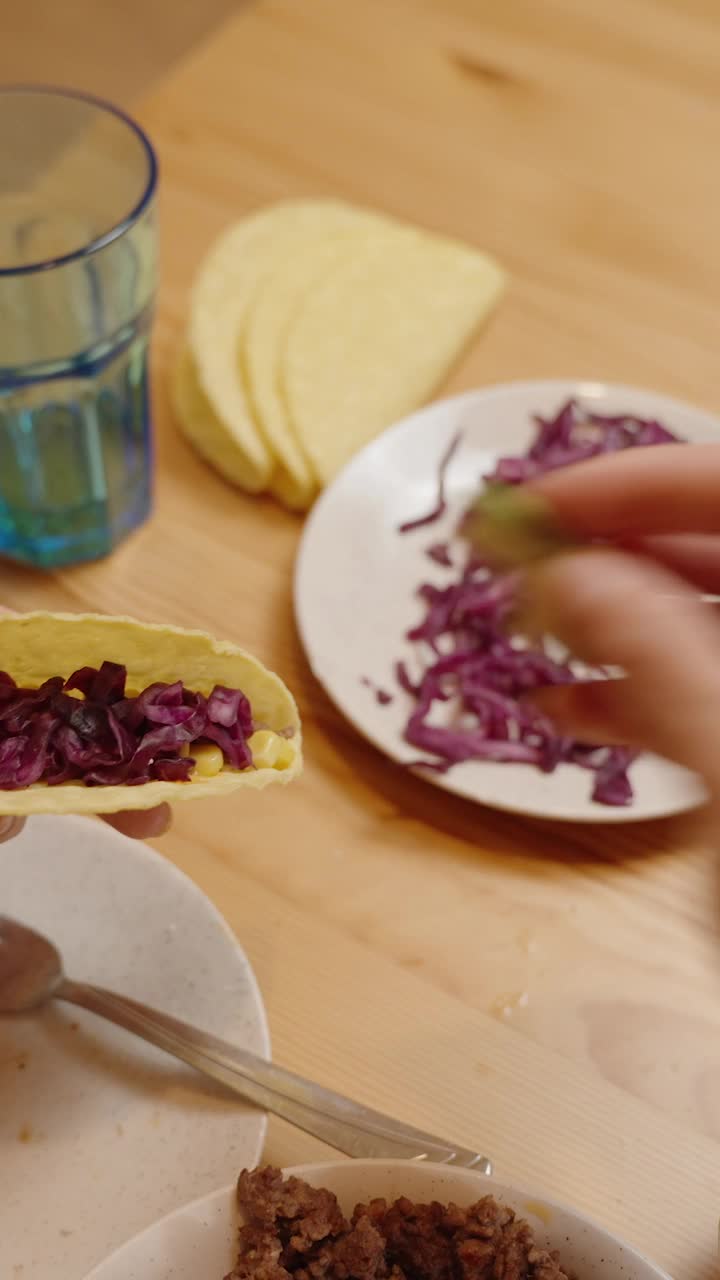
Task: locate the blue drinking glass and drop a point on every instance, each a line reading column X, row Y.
column 77, row 281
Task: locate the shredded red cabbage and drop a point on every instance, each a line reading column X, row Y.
column 574, row 435
column 440, row 506
column 474, row 672
column 439, row 552
column 382, row 697
column 106, row 738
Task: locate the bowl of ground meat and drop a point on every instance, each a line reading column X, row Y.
column 375, row 1220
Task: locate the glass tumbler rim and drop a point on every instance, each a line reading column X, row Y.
column 123, row 224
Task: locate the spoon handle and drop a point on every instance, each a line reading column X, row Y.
column 341, row 1123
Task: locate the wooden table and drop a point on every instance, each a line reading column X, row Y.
column 547, row 993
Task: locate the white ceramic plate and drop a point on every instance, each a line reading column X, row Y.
column 356, row 579
column 200, row 1239
column 99, row 1133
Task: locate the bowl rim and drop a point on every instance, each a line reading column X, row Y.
column 322, row 1168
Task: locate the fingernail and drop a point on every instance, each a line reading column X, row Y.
column 552, row 584
column 528, row 617
column 526, row 621
column 9, row 827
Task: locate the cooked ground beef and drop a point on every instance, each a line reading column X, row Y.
column 293, row 1231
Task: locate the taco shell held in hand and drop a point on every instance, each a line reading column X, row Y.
column 35, row 647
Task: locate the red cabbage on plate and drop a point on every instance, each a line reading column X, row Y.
column 472, row 668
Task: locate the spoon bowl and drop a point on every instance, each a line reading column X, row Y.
column 31, row 969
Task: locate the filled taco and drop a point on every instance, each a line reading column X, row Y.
column 99, row 714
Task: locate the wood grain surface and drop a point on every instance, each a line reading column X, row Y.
column 114, row 48
column 549, row 993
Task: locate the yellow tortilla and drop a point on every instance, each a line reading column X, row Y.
column 202, row 427
column 378, row 335
column 276, row 302
column 35, row 646
column 227, row 281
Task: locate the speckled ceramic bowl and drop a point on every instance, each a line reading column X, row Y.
column 199, row 1240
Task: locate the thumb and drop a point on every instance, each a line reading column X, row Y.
column 10, row 827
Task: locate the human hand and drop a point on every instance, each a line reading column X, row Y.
column 634, row 603
column 142, row 824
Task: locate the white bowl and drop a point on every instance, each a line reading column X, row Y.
column 199, row 1240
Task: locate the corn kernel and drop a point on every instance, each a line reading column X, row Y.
column 269, row 750
column 265, row 748
column 208, row 759
column 286, row 755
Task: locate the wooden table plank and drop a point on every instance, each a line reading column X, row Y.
column 345, row 1015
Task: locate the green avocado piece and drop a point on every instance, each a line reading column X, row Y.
column 514, row 527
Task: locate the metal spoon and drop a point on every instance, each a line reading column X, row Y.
column 31, row 973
